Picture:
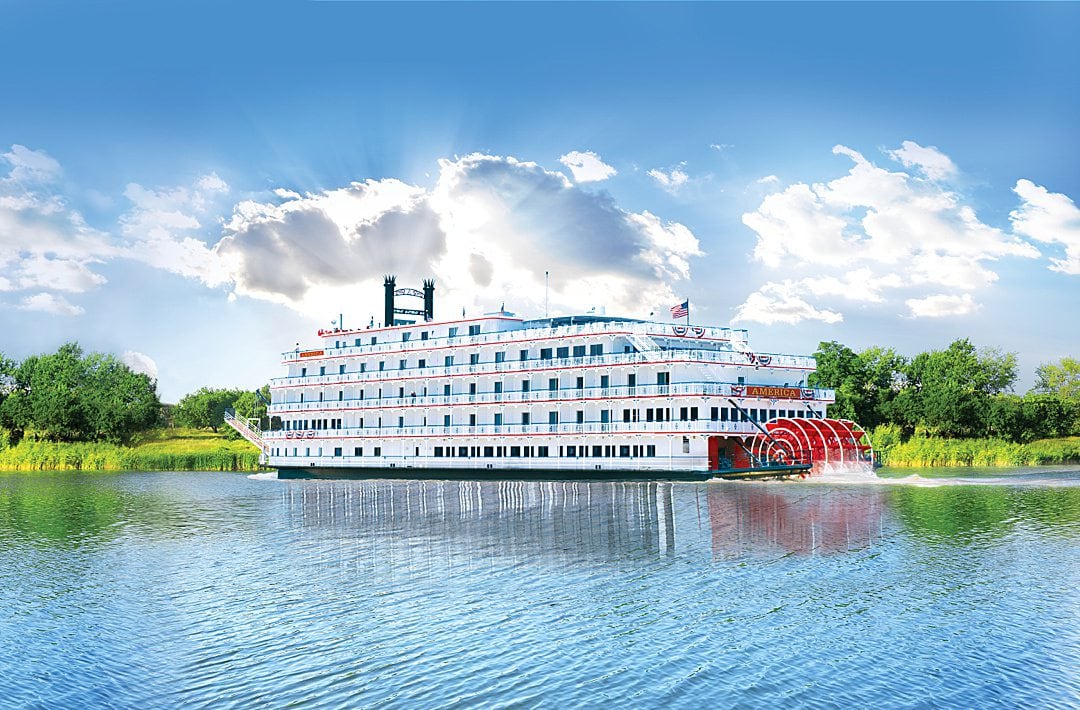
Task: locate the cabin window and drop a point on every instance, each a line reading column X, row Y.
column 363, row 367
column 523, row 355
column 579, row 351
column 472, row 388
column 515, row 451
column 452, row 333
column 438, row 452
column 626, row 415
column 446, row 420
column 401, row 364
column 553, row 417
column 723, row 414
column 373, row 340
column 474, row 358
column 581, row 383
column 571, row 452
column 421, row 363
column 378, row 451
column 337, row 451
column 605, row 381
column 545, row 353
column 597, row 349
column 663, row 378
column 498, row 420
column 562, row 352
column 400, row 422
column 605, row 416
column 686, row 445
column 553, row 384
column 448, row 360
column 580, row 417
column 500, row 356
column 382, row 365
column 356, row 343
column 472, row 420
column 650, row 450
column 649, row 415
column 463, row 451
column 624, row 451
column 524, row 417
column 542, row 451
column 358, row 451
column 303, row 372
column 525, row 384
column 474, row 329
column 498, row 388
column 446, row 390
column 693, row 414
column 631, row 380
column 423, row 335
column 341, row 395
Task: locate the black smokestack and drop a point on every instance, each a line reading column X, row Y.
column 429, row 299
column 388, row 311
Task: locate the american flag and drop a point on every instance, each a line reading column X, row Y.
column 682, row 310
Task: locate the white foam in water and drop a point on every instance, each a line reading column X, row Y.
column 264, row 476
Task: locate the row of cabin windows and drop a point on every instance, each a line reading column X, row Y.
column 406, row 336
column 474, row 359
column 731, row 414
column 572, row 451
column 575, row 451
column 663, row 378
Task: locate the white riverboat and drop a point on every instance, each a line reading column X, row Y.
column 582, row 396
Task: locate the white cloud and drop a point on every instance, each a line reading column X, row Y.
column 487, row 231
column 768, row 180
column 140, row 362
column 672, row 179
column 929, row 160
column 163, row 228
column 721, row 147
column 1049, row 217
column 942, row 304
column 781, row 303
column 895, row 230
column 31, row 166
column 587, row 166
column 50, row 303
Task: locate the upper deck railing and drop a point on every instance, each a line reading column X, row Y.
column 542, row 396
column 798, row 362
column 736, row 337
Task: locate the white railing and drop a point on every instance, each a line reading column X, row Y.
column 738, row 359
column 540, row 396
column 611, row 328
column 247, row 428
column 698, row 426
column 660, row 462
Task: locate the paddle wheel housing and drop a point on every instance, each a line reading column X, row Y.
column 823, row 443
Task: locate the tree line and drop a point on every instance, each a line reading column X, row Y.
column 959, row 392
column 73, row 396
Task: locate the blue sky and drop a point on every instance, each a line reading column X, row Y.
column 204, row 184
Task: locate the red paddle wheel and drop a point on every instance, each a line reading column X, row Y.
column 819, row 442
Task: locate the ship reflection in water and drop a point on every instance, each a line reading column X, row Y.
column 593, row 522
column 800, row 519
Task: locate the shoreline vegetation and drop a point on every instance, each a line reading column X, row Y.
column 172, row 449
column 184, row 449
column 931, row 452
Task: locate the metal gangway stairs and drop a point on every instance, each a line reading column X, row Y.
column 249, row 429
column 645, row 345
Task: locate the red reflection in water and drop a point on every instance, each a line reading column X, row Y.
column 776, row 516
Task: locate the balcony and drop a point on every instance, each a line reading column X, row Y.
column 596, row 394
column 700, row 426
column 735, row 336
column 692, row 357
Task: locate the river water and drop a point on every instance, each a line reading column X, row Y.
column 209, row 589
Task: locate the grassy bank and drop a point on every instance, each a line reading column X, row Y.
column 923, row 452
column 159, row 450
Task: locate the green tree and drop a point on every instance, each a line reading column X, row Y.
column 865, row 383
column 948, row 392
column 69, row 396
column 1061, row 378
column 205, row 408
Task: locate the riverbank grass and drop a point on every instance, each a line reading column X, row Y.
column 925, row 452
column 173, row 449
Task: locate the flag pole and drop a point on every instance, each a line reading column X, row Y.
column 688, row 312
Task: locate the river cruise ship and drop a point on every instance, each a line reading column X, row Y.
column 571, row 396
